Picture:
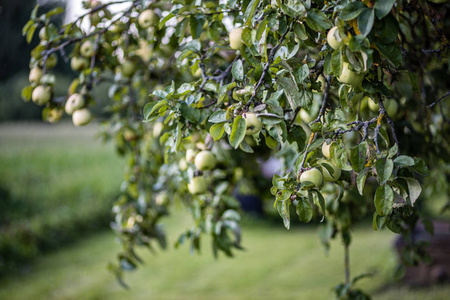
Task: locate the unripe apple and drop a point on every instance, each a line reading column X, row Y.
column 87, row 49
column 304, row 116
column 130, row 135
column 190, row 155
column 349, row 77
column 162, row 198
column 252, row 124
column 81, row 117
column 79, row 63
column 54, row 115
column 35, row 75
column 94, row 3
column 182, row 164
column 157, row 129
column 147, row 18
column 43, row 34
column 313, row 175
column 128, row 68
column 372, row 105
column 41, row 94
column 235, row 38
column 74, row 102
column 95, row 18
column 51, row 62
column 391, row 107
column 205, row 160
column 335, row 37
column 197, row 185
column 334, row 176
column 326, row 149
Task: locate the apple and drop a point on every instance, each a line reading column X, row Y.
column 147, row 18
column 391, row 107
column 190, row 155
column 74, row 102
column 326, row 149
column 157, row 129
column 334, row 176
column 128, row 68
column 235, row 38
column 304, row 116
column 252, row 124
column 51, row 62
column 197, row 185
column 81, row 117
column 130, row 135
column 78, row 63
column 43, row 34
column 41, row 94
column 334, row 42
column 87, row 49
column 182, row 164
column 349, row 77
column 162, row 198
column 35, row 75
column 95, row 18
column 94, row 3
column 55, row 114
column 313, row 175
column 372, row 105
column 205, row 160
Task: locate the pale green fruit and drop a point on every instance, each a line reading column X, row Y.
column 314, row 176
column 372, row 105
column 54, row 115
column 41, row 94
column 197, row 185
column 305, row 116
column 81, row 117
column 235, row 38
column 252, row 124
column 162, row 198
column 73, row 103
column 182, row 164
column 79, row 63
column 326, row 149
column 128, row 68
column 332, row 40
column 35, row 75
column 43, row 34
column 87, row 49
column 157, row 129
column 334, row 176
column 130, row 135
column 349, row 77
column 391, row 107
column 147, row 18
column 205, row 160
column 52, row 60
column 190, row 155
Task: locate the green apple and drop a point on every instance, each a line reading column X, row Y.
column 94, row 3
column 372, row 105
column 95, row 18
column 41, row 94
column 162, row 199
column 235, row 38
column 391, row 107
column 87, row 49
column 81, row 117
column 147, row 18
column 335, row 37
column 74, row 102
column 326, row 149
column 313, row 175
column 205, row 160
column 190, row 155
column 79, row 63
column 334, row 176
column 35, row 75
column 128, row 68
column 157, row 129
column 304, row 116
column 55, row 114
column 252, row 124
column 130, row 135
column 349, row 77
column 197, row 185
column 182, row 164
column 51, row 62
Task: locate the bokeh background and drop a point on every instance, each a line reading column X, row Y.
column 57, row 187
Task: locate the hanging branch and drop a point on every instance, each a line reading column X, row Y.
column 438, row 100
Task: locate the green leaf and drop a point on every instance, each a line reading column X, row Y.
column 250, row 11
column 378, row 221
column 404, row 161
column 390, row 51
column 196, row 23
column 414, row 188
column 352, row 10
column 283, row 210
column 358, row 157
column 317, row 20
column 361, row 180
column 224, row 89
column 304, row 210
column 238, row 70
column 237, row 132
column 30, row 32
column 297, row 135
column 320, row 199
column 337, row 62
column 420, row 167
column 300, row 31
column 217, row 131
column 339, row 158
column 365, row 21
column 384, row 199
column 26, row 93
column 291, row 91
column 152, row 107
column 384, row 169
column 383, row 7
column 27, row 26
column 218, row 116
column 270, row 119
column 245, row 147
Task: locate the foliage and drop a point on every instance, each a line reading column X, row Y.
column 180, row 83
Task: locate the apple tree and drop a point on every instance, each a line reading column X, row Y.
column 350, row 96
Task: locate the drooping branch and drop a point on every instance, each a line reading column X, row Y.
column 438, row 100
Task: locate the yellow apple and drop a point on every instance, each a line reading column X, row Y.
column 81, row 117
column 54, row 115
column 235, row 38
column 147, row 18
column 35, row 75
column 41, row 94
column 190, row 155
column 372, row 105
column 326, row 149
column 74, row 102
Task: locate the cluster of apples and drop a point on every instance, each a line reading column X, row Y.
column 203, row 161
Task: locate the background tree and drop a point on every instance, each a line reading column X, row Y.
column 348, row 95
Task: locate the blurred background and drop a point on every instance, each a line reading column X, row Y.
column 57, row 187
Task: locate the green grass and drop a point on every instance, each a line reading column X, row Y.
column 277, row 264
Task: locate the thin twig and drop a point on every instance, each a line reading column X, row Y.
column 324, row 100
column 382, row 111
column 438, row 100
